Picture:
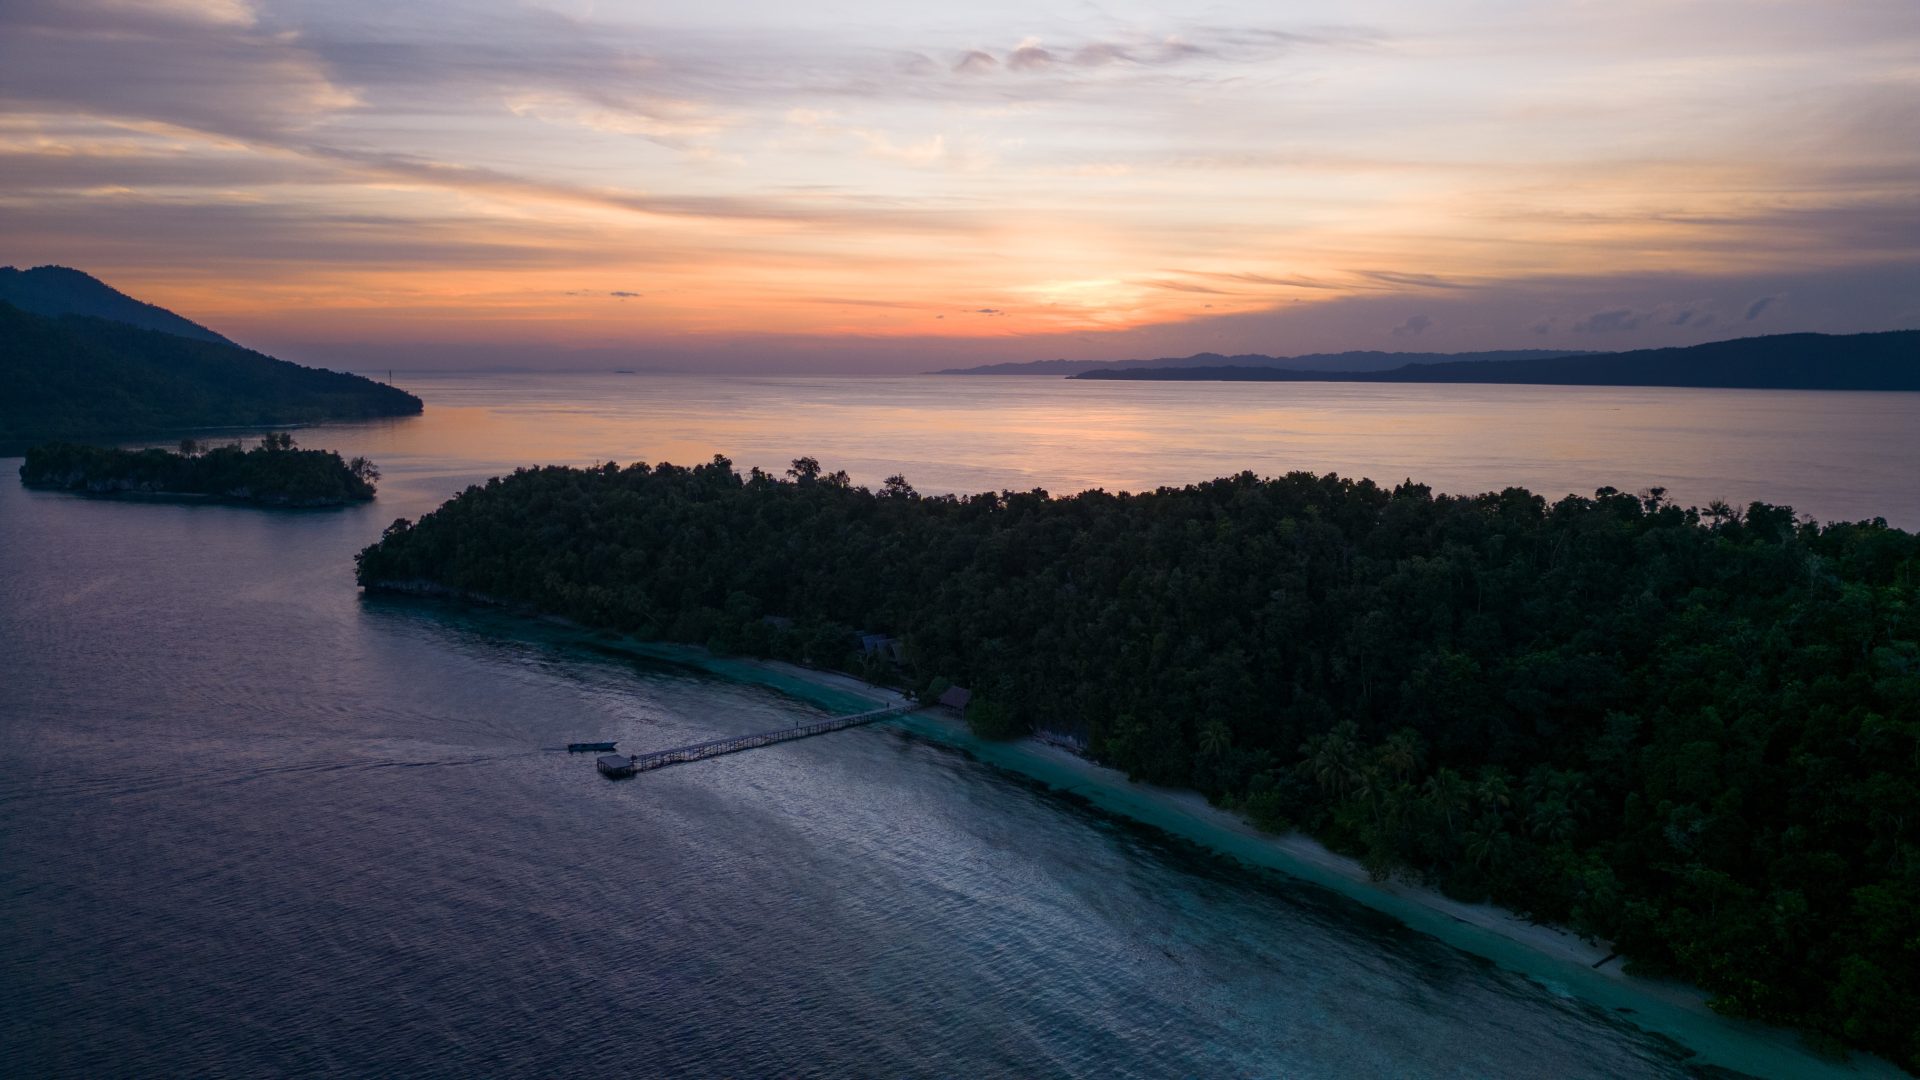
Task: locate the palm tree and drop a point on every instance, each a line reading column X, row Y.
column 1449, row 793
column 1334, row 758
column 1488, row 842
column 1554, row 803
column 1493, row 792
column 1402, row 753
column 1368, row 783
column 1215, row 738
column 1550, row 819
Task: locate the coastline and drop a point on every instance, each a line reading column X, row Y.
column 1296, row 848
column 200, row 498
column 1547, row 938
column 1550, row 955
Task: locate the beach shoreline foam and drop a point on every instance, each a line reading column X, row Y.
column 1551, row 956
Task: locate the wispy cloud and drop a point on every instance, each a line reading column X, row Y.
column 1031, row 57
column 863, row 301
column 1250, row 278
column 1184, row 286
column 1416, row 281
column 975, row 62
column 1080, row 174
column 1603, row 322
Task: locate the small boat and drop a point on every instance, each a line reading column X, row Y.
column 585, row 747
column 614, row 766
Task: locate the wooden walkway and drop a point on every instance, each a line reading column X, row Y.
column 735, row 744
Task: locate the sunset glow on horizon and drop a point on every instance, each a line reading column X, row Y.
column 884, row 187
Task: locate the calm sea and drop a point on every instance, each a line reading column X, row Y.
column 1833, row 455
column 252, row 823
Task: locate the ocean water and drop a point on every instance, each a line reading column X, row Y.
column 253, row 823
column 1830, row 454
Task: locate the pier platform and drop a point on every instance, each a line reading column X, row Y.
column 619, row 765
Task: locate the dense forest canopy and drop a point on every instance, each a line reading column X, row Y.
column 1695, row 733
column 75, row 377
column 274, row 472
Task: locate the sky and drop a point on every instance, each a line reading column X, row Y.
column 865, row 186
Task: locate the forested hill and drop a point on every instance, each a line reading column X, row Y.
column 75, row 377
column 1693, row 733
column 61, row 290
column 1882, row 361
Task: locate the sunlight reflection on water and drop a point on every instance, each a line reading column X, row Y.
column 1831, row 454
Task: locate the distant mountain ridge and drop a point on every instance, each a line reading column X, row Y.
column 62, row 290
column 145, row 371
column 1887, row 360
column 1355, row 360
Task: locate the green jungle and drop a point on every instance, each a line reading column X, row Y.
column 1694, row 733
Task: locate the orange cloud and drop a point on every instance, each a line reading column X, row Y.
column 351, row 178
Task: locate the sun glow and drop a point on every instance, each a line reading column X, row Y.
column 618, row 179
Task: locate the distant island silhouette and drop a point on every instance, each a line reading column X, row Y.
column 274, row 473
column 61, row 290
column 1356, row 360
column 81, row 360
column 1889, row 360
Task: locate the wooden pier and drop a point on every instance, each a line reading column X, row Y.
column 610, row 765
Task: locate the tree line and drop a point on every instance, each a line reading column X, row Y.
column 273, row 472
column 1694, row 732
